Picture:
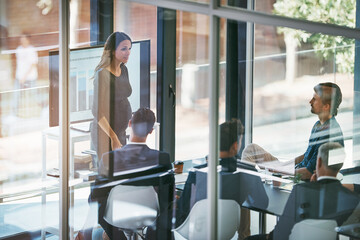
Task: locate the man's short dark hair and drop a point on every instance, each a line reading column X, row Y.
column 142, row 122
column 230, row 133
column 329, row 93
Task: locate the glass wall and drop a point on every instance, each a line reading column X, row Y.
column 25, row 154
column 288, row 64
column 191, row 79
column 290, row 68
column 139, row 21
column 30, row 137
column 278, row 67
column 340, row 13
column 199, row 1
column 192, row 76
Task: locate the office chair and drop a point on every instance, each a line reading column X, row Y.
column 314, row 229
column 131, row 208
column 195, row 225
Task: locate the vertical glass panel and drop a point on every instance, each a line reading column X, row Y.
column 296, row 109
column 285, row 68
column 340, row 13
column 192, row 111
column 192, row 108
column 198, row 1
column 82, row 61
column 231, row 131
column 192, row 120
column 139, row 21
column 293, row 62
column 29, row 149
column 82, row 165
column 240, row 186
column 110, row 83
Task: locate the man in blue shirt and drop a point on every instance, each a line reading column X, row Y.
column 324, row 103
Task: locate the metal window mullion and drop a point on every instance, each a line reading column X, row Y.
column 356, row 110
column 249, row 78
column 177, row 5
column 244, row 15
column 212, row 186
column 64, row 14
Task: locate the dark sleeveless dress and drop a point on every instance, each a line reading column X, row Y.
column 110, row 100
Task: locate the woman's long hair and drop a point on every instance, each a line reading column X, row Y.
column 112, row 42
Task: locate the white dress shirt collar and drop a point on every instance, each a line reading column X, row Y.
column 137, row 143
column 327, row 177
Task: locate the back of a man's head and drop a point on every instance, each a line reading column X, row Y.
column 332, row 156
column 142, row 122
column 230, row 132
column 329, row 93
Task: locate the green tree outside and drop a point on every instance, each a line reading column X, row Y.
column 338, row 12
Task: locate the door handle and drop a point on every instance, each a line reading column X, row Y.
column 172, row 92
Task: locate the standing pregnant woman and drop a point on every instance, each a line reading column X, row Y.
column 111, row 107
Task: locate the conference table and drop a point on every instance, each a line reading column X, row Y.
column 254, row 190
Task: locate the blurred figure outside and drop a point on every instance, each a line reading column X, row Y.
column 26, row 72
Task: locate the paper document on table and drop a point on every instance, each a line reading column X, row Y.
column 87, row 175
column 286, row 167
column 181, row 178
column 82, row 127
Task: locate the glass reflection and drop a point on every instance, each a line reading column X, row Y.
column 29, row 143
column 314, row 209
column 139, row 22
column 325, row 103
column 195, row 189
column 142, row 168
column 131, row 160
column 24, row 96
column 339, row 13
column 198, row 1
column 192, row 74
column 290, row 70
column 283, row 95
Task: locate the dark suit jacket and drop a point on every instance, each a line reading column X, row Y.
column 132, row 157
column 325, row 199
column 126, row 162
